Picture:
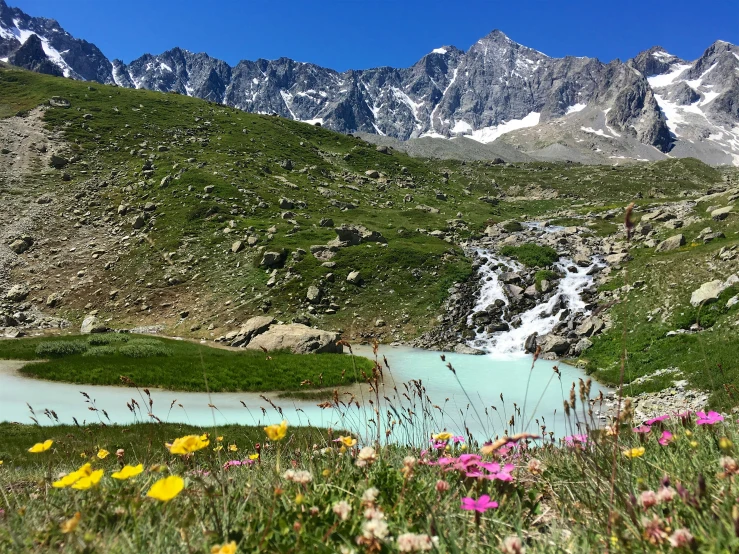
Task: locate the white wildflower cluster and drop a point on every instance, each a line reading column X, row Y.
column 300, row 477
column 342, row 509
column 366, row 457
column 376, row 528
column 411, row 542
column 370, row 496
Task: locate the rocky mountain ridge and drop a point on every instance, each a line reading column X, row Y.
column 574, row 108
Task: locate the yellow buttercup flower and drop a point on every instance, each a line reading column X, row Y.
column 71, row 478
column 218, row 448
column 102, row 453
column 89, row 481
column 348, row 441
column 253, row 456
column 127, row 472
column 166, row 489
column 219, row 439
column 188, row 444
column 233, row 448
column 326, row 472
column 723, row 443
column 442, row 436
column 41, row 447
column 71, row 524
column 276, row 432
column 635, row 452
column 229, row 548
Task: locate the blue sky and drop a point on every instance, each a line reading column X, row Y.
column 344, row 34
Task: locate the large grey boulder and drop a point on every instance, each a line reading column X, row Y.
column 253, row 327
column 590, row 326
column 722, row 213
column 17, row 293
column 708, row 292
column 582, row 345
column 272, row 259
column 313, row 295
column 298, row 338
column 464, row 349
column 351, row 235
column 555, row 345
column 91, row 324
column 672, row 243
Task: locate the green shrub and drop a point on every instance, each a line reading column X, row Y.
column 144, row 349
column 97, row 351
column 106, row 339
column 531, row 255
column 57, row 349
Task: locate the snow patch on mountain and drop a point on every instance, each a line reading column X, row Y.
column 489, row 134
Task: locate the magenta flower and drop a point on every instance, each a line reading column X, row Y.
column 666, row 438
column 656, row 419
column 481, row 505
column 469, row 458
column 642, row 429
column 572, row 440
column 708, row 418
column 458, row 439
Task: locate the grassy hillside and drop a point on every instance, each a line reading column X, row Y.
column 182, row 259
column 203, row 177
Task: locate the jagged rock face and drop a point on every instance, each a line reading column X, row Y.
column 498, row 87
column 31, row 56
column 75, row 58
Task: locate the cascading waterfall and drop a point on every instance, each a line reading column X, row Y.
column 540, row 319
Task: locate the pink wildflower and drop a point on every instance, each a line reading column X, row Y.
column 656, row 419
column 681, row 538
column 708, row 418
column 666, row 438
column 481, row 505
column 642, row 429
column 648, row 499
column 458, row 439
column 572, row 440
column 665, row 494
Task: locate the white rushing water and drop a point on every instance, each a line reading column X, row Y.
column 540, row 319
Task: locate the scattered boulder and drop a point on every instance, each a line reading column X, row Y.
column 298, row 338
column 17, row 293
column 721, row 213
column 91, row 324
column 555, row 345
column 464, row 349
column 355, row 278
column 672, row 243
column 58, row 162
column 237, row 246
column 138, row 221
column 273, row 259
column 253, row 327
column 590, row 326
column 372, row 174
column 313, row 295
column 582, row 345
column 351, row 235
column 707, row 292
column 19, row 246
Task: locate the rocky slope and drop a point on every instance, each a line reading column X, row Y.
column 498, row 91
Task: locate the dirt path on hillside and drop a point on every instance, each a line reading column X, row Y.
column 30, row 146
